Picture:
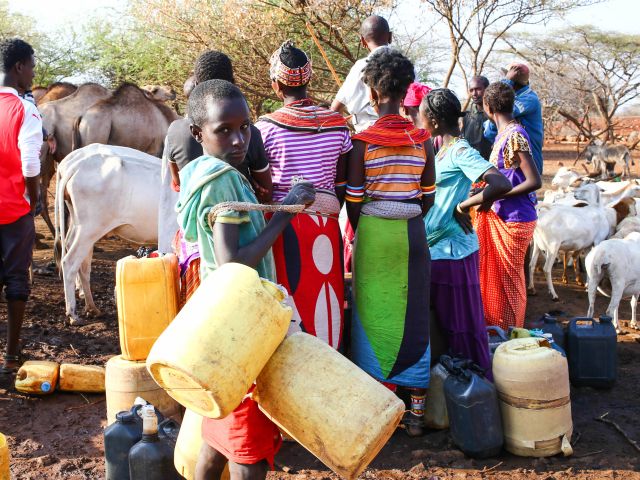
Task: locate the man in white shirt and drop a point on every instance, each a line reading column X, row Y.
column 20, row 142
column 353, row 96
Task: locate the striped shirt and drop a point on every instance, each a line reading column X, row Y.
column 311, row 156
column 393, row 173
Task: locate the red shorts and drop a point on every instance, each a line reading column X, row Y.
column 245, row 436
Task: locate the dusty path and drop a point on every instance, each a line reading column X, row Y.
column 60, row 437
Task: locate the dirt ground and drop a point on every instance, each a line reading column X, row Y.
column 60, row 436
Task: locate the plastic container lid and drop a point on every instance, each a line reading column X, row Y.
column 125, row 417
column 605, row 318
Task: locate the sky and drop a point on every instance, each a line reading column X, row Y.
column 615, row 15
column 621, row 15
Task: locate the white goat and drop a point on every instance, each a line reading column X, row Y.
column 619, row 261
column 568, row 229
column 565, row 178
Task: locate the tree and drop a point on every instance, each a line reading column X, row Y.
column 585, row 73
column 476, row 26
column 57, row 56
column 249, row 32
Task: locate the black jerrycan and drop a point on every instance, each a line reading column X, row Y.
column 593, row 358
column 474, row 413
column 152, row 457
column 119, row 437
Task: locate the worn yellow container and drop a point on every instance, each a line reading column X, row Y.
column 38, row 377
column 126, row 380
column 327, row 404
column 435, row 411
column 215, row 348
column 147, row 293
column 81, row 378
column 188, row 446
column 5, row 474
column 532, row 380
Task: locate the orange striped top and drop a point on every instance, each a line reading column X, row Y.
column 393, row 173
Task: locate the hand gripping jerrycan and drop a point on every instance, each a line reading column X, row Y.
column 472, row 406
column 210, row 355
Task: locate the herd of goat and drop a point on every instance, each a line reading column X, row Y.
column 601, row 219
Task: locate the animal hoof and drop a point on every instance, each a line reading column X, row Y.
column 565, row 281
column 532, row 292
column 92, row 312
column 77, row 321
column 634, row 326
column 555, row 299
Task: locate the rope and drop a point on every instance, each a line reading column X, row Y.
column 248, row 207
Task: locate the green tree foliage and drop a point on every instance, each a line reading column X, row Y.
column 584, row 73
column 57, row 56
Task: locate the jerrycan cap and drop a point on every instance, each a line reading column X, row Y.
column 125, row 417
column 45, row 387
column 605, row 319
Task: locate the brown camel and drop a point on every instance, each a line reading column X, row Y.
column 38, row 92
column 57, row 118
column 56, row 91
column 160, row 92
column 128, row 118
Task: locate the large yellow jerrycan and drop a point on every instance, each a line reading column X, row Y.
column 4, row 458
column 81, row 378
column 217, row 345
column 188, row 446
column 327, row 404
column 532, row 380
column 125, row 381
column 147, row 295
column 39, row 377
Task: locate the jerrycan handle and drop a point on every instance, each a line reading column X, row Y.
column 497, row 331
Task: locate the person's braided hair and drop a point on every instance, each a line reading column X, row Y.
column 389, row 73
column 500, row 97
column 443, row 106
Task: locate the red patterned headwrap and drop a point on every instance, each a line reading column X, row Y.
column 291, row 77
column 416, row 92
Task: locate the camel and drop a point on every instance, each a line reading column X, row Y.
column 56, row 91
column 57, row 118
column 160, row 93
column 38, row 92
column 128, row 118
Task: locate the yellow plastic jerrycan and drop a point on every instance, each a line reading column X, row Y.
column 327, row 404
column 4, row 458
column 532, row 380
column 81, row 378
column 125, row 381
column 147, row 295
column 39, row 377
column 188, row 446
column 217, row 345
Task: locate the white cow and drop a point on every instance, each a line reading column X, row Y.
column 107, row 190
column 619, row 261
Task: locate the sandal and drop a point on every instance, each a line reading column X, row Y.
column 413, row 424
column 7, row 374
